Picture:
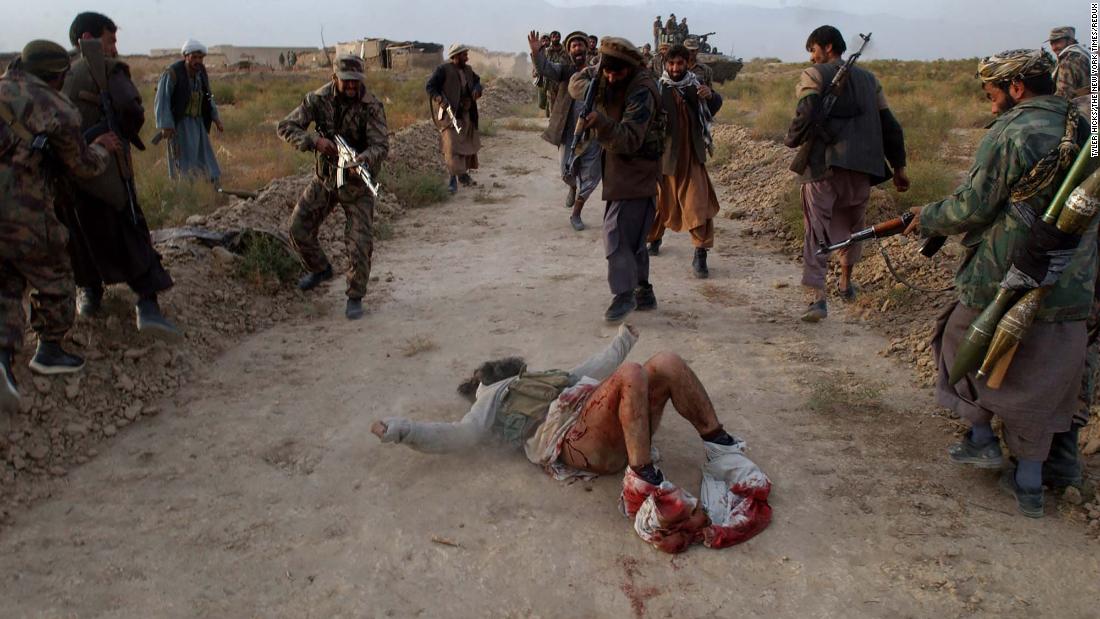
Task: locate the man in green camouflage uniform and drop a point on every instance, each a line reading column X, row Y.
column 342, row 107
column 1071, row 73
column 40, row 142
column 995, row 209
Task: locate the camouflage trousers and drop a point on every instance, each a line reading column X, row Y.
column 36, row 259
column 313, row 206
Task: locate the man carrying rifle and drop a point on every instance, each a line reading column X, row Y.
column 847, row 155
column 580, row 170
column 40, row 142
column 626, row 121
column 343, row 108
column 454, row 89
column 109, row 239
column 1017, row 169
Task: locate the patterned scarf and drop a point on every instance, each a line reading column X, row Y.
column 706, row 119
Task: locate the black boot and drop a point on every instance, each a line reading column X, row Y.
column 620, row 306
column 452, row 184
column 571, row 198
column 9, row 390
column 89, row 301
column 151, row 320
column 309, row 281
column 644, row 297
column 1063, row 465
column 699, row 263
column 50, row 358
column 655, row 247
column 466, row 180
column 354, row 310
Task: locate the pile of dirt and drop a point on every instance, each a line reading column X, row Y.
column 65, row 419
column 503, row 96
column 417, row 148
column 758, row 184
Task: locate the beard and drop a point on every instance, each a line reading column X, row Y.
column 579, row 59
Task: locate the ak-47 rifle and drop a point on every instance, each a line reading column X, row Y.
column 589, row 107
column 92, row 51
column 348, row 159
column 445, row 109
column 882, row 230
column 817, row 134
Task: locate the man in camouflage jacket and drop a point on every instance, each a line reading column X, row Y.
column 1071, row 73
column 342, row 107
column 40, row 142
column 994, row 213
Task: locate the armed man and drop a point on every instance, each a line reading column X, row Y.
column 1072, row 72
column 658, row 30
column 847, row 155
column 454, row 89
column 40, row 143
column 1017, row 169
column 343, row 108
column 702, row 71
column 580, row 171
column 685, row 195
column 185, row 111
column 626, row 124
column 109, row 239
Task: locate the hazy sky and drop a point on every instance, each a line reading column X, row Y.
column 932, row 27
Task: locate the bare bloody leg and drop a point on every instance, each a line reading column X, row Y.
column 618, row 421
column 614, row 428
column 671, row 378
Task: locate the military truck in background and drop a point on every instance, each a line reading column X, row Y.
column 725, row 67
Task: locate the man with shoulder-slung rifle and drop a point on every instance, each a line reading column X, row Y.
column 109, row 239
column 344, row 108
column 847, row 152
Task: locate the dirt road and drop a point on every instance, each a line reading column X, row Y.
column 259, row 491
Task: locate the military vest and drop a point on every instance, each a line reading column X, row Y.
column 527, row 402
column 181, row 94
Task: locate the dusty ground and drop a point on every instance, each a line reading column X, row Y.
column 258, row 490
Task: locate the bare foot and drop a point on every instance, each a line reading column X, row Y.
column 378, row 428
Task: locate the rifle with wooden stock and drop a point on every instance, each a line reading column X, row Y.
column 589, row 106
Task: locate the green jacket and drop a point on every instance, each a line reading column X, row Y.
column 980, row 209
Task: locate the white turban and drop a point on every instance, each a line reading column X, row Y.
column 192, row 46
